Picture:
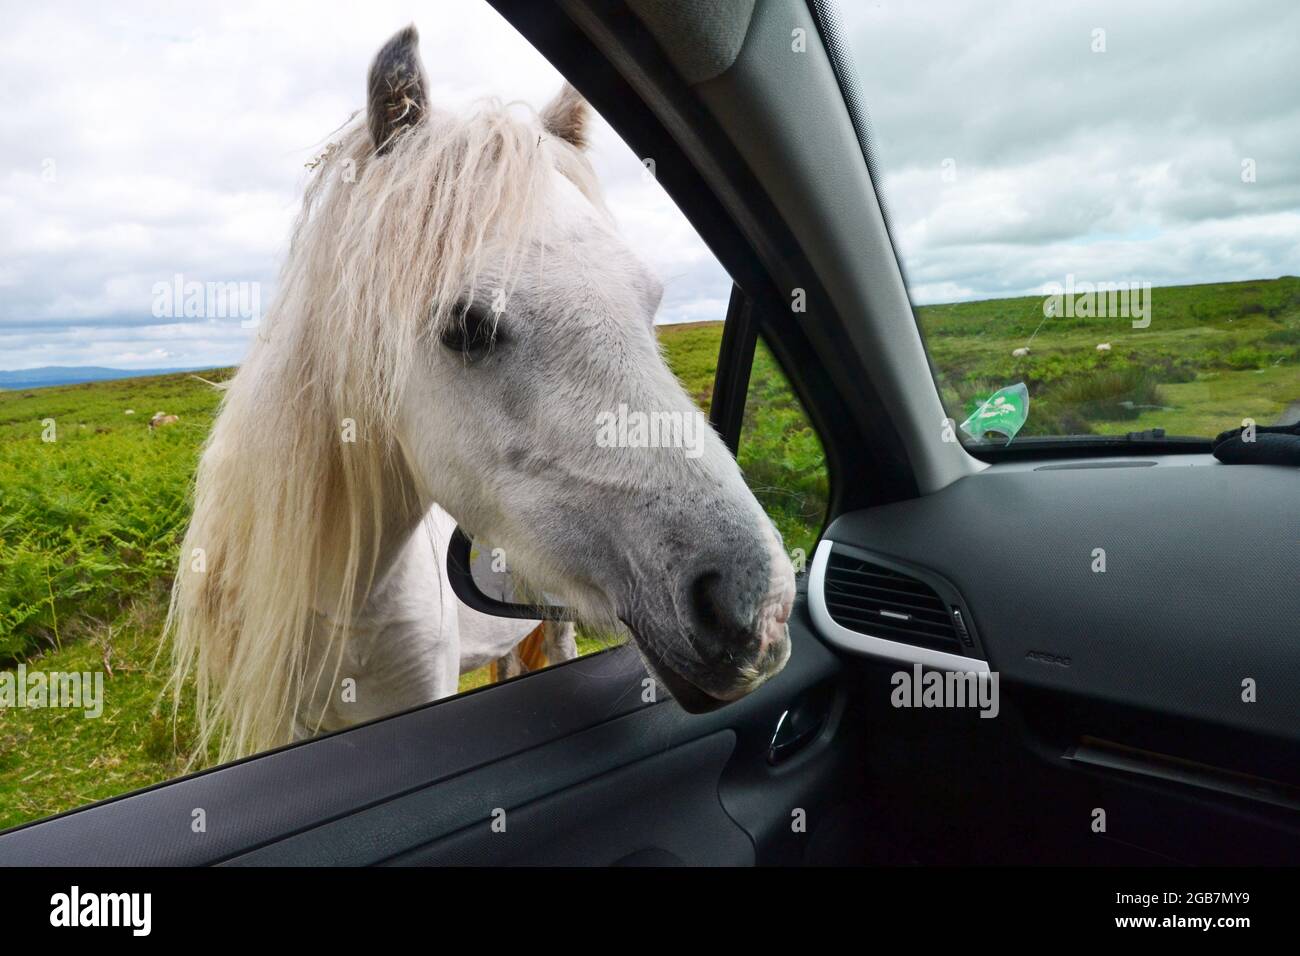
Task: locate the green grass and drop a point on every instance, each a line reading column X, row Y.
column 1119, row 393
column 56, row 759
column 1208, row 358
column 1219, row 400
column 91, row 520
column 692, row 352
column 90, row 523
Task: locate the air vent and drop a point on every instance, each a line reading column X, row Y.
column 875, row 600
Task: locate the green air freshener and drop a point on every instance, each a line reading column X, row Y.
column 1003, row 413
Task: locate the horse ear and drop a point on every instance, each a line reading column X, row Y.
column 567, row 117
column 397, row 98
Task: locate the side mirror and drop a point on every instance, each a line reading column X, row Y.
column 480, row 583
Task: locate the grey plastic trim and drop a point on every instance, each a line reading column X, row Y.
column 786, row 114
column 1112, row 756
column 858, row 643
column 702, row 38
column 826, row 16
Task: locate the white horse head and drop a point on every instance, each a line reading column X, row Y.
column 457, row 317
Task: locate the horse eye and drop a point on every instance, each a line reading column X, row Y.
column 472, row 333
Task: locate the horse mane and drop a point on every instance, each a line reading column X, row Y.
column 286, row 512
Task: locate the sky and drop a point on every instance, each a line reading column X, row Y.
column 178, row 135
column 145, row 140
column 1013, row 155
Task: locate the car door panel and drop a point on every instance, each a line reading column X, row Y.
column 532, row 746
column 662, row 809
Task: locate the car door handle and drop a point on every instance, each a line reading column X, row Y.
column 797, row 727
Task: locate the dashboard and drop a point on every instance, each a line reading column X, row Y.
column 1168, row 583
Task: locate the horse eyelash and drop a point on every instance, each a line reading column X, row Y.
column 455, row 336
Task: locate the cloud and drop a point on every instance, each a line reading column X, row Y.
column 142, row 140
column 1012, row 153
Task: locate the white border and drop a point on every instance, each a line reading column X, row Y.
column 848, row 640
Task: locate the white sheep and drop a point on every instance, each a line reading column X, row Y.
column 1103, row 347
column 1020, row 353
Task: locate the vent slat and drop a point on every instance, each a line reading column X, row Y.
column 874, row 617
column 876, row 628
column 901, row 600
column 900, row 614
column 882, row 580
column 875, row 600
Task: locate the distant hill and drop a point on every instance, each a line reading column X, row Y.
column 75, row 374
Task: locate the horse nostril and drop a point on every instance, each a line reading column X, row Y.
column 717, row 609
